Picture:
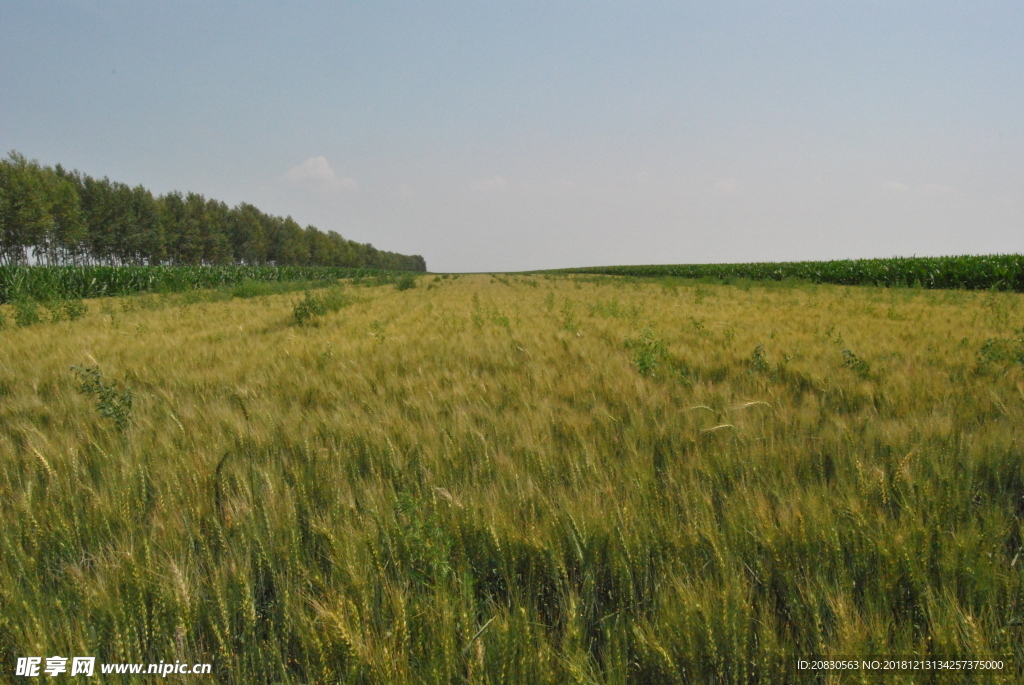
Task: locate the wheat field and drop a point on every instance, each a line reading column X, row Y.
column 518, row 479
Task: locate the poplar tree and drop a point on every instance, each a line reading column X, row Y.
column 57, row 217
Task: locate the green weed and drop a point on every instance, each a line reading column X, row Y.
column 854, row 363
column 311, row 306
column 648, row 352
column 377, row 331
column 26, row 312
column 759, row 361
column 111, row 403
column 569, row 320
column 1002, row 351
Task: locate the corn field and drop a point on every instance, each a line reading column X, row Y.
column 999, row 272
column 45, row 283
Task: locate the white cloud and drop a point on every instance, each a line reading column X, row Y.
column 316, row 172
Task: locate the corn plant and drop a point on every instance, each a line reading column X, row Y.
column 969, row 272
column 43, row 283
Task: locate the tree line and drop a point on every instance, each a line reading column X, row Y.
column 55, row 217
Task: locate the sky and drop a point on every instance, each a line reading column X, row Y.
column 506, row 136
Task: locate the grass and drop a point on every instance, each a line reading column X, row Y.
column 525, row 480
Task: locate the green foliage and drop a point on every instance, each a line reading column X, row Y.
column 309, row 307
column 406, row 282
column 325, row 357
column 57, row 217
column 1002, row 351
column 313, row 306
column 648, row 352
column 377, row 328
column 998, row 272
column 250, row 288
column 613, row 309
column 111, row 403
column 66, row 310
column 855, row 364
column 26, row 312
column 82, row 282
column 759, row 361
column 569, row 320
column 74, row 309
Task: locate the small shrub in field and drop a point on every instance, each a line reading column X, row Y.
column 111, row 403
column 1002, row 351
column 569, row 320
column 74, row 309
column 3, row 321
column 325, row 357
column 378, row 331
column 758, row 360
column 406, row 282
column 312, row 306
column 855, row 364
column 66, row 310
column 308, row 307
column 26, row 312
column 335, row 299
column 648, row 352
column 56, row 312
column 248, row 289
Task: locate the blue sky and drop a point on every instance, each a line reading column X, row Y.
column 508, row 136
